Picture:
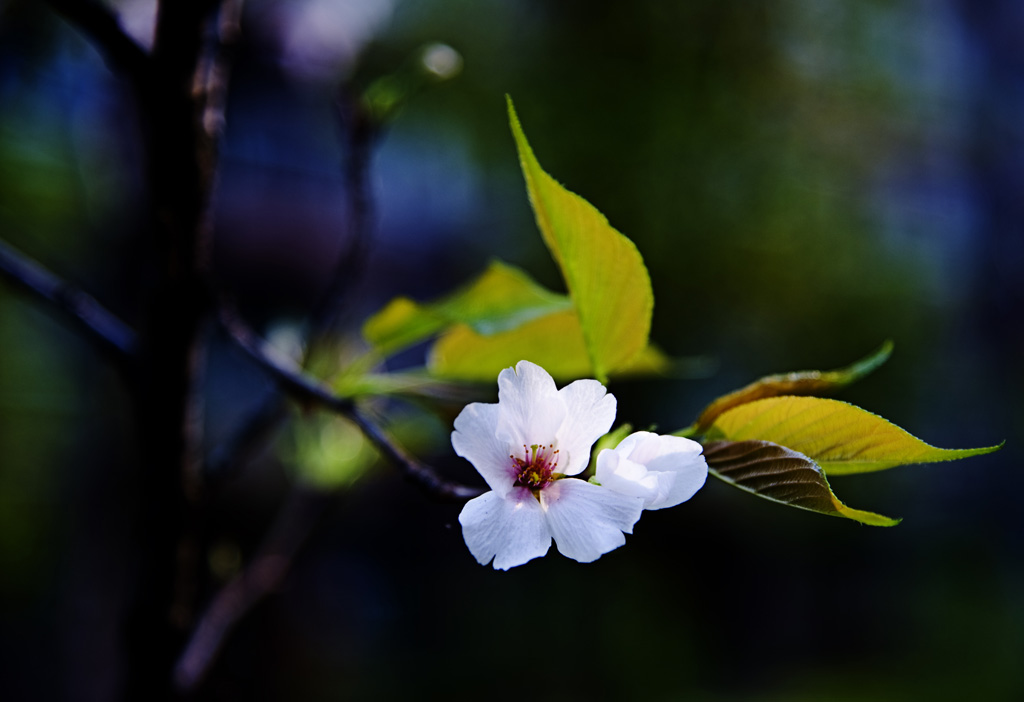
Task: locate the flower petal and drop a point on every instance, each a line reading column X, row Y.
column 658, row 451
column 664, row 470
column 590, row 411
column 475, row 439
column 690, row 477
column 618, row 473
column 512, row 530
column 587, row 520
column 531, row 409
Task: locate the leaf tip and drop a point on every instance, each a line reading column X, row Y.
column 883, row 353
column 989, row 449
column 513, row 117
column 871, row 362
column 867, row 518
column 954, row 454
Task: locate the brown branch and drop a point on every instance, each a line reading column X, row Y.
column 97, row 22
column 311, row 391
column 210, row 89
column 180, row 163
column 298, row 518
column 103, row 328
column 178, row 39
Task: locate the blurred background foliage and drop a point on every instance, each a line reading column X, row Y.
column 804, row 178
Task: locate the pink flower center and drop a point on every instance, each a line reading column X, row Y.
column 537, row 466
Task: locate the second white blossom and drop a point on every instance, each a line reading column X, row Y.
column 662, row 470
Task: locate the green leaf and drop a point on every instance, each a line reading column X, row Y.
column 781, row 475
column 501, row 298
column 404, row 384
column 839, row 437
column 799, row 383
column 603, row 270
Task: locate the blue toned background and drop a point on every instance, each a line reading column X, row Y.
column 804, row 179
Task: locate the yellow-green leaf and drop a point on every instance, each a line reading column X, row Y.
column 839, row 437
column 799, row 383
column 554, row 342
column 501, row 298
column 781, row 475
column 401, row 323
column 603, row 270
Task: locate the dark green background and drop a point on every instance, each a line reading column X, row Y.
column 804, row 179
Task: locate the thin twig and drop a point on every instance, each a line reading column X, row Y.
column 102, row 327
column 420, row 473
column 309, row 390
column 261, row 577
column 283, row 370
column 359, row 134
column 96, row 21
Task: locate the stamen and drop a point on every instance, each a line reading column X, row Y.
column 537, row 466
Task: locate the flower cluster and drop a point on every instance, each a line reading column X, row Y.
column 530, row 444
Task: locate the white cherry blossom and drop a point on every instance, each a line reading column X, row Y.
column 526, row 447
column 662, row 470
